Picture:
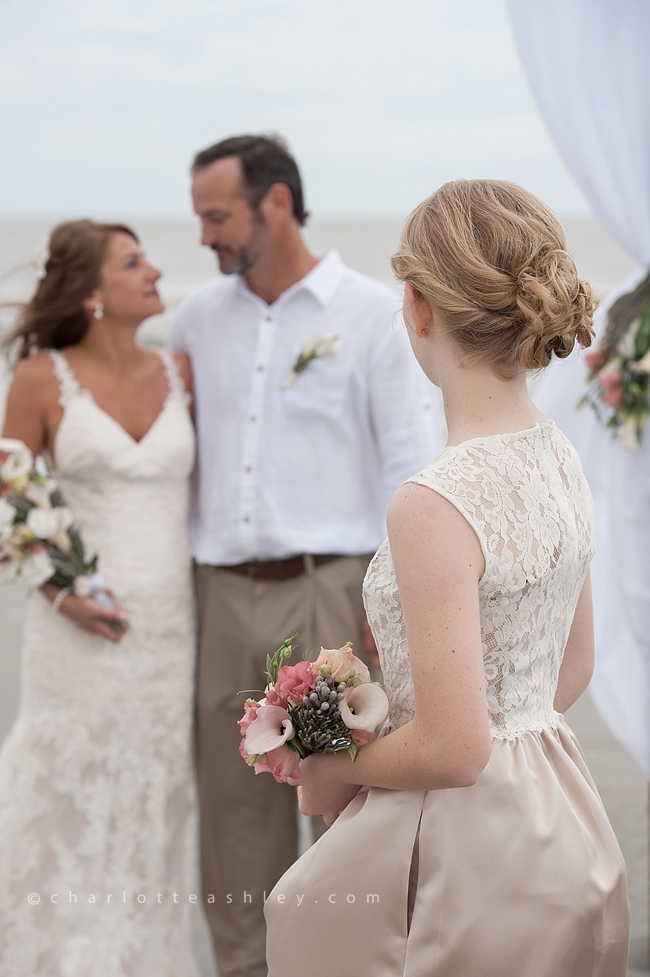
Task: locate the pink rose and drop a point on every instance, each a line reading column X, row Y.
column 361, row 736
column 283, row 763
column 294, row 681
column 250, row 714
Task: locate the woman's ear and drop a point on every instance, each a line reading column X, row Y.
column 419, row 311
column 91, row 303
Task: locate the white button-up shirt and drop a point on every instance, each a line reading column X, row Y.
column 308, row 468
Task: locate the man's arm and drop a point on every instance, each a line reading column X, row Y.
column 404, row 406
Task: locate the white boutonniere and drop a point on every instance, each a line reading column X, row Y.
column 314, row 349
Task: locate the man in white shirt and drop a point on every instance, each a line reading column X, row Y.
column 295, row 471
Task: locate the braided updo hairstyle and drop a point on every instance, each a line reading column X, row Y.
column 492, row 260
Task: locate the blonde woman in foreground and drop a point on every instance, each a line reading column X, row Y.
column 470, row 841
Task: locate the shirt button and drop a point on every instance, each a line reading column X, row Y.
column 260, row 368
column 252, row 417
column 247, row 518
column 269, row 318
column 248, row 468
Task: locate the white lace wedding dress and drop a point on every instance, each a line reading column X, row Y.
column 97, row 815
column 519, row 875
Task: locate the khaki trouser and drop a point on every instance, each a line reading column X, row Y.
column 249, row 828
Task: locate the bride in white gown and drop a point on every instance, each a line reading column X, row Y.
column 96, row 785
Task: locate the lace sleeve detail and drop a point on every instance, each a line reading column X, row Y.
column 173, row 376
column 68, row 386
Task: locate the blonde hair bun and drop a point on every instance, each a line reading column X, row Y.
column 492, row 259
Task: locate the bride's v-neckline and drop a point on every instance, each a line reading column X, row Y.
column 89, row 396
column 127, row 434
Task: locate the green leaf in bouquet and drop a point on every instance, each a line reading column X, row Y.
column 56, row 498
column 76, row 542
column 255, row 758
column 274, row 662
column 353, row 749
column 642, row 338
column 117, row 627
column 21, row 505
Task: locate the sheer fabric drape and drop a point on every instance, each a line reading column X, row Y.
column 588, row 66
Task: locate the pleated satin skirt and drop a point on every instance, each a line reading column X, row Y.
column 519, row 875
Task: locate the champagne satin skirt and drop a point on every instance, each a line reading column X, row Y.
column 518, row 876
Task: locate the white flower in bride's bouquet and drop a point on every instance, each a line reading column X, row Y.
column 41, row 493
column 315, row 348
column 7, row 516
column 16, row 462
column 83, row 587
column 9, row 569
column 364, row 706
column 37, row 569
column 271, row 728
column 52, row 525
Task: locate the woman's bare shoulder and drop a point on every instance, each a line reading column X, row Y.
column 35, row 375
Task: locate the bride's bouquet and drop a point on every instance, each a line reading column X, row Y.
column 39, row 541
column 312, row 707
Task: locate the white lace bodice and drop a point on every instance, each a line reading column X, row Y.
column 526, row 498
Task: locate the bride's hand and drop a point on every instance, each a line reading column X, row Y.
column 91, row 616
column 320, row 789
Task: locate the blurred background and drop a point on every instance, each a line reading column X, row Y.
column 103, row 105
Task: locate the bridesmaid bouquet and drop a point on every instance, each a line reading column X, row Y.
column 38, row 539
column 312, row 707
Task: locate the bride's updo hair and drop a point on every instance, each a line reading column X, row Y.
column 492, row 260
column 55, row 316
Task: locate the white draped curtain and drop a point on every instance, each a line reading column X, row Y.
column 588, row 63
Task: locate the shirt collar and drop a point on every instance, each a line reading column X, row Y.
column 324, row 278
column 322, row 281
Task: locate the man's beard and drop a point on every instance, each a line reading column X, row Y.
column 240, row 260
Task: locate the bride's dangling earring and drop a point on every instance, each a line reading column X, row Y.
column 98, row 312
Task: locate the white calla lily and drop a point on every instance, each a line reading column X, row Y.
column 364, row 707
column 19, row 461
column 40, row 494
column 271, row 728
column 52, row 525
column 327, row 344
column 7, row 516
column 37, row 569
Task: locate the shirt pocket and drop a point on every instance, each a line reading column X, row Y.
column 320, row 389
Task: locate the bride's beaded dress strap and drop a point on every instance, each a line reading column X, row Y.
column 68, row 385
column 172, row 375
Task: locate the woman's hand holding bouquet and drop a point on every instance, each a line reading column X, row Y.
column 40, row 544
column 327, row 706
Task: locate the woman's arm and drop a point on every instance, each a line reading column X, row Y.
column 438, row 563
column 33, row 397
column 32, row 406
column 578, row 661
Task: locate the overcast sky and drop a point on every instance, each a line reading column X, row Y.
column 104, row 102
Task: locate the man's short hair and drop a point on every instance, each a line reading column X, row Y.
column 265, row 160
